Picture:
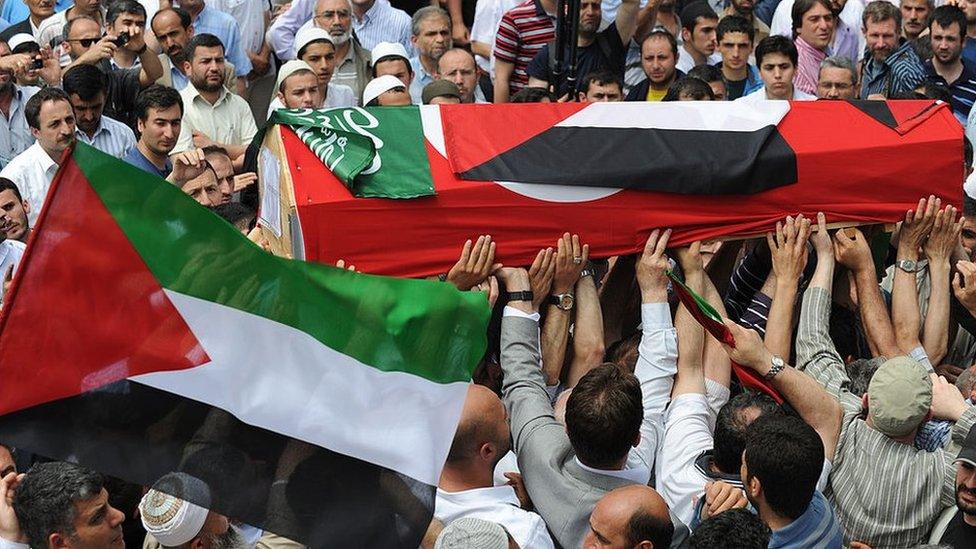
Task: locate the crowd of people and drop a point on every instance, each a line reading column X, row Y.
column 603, row 414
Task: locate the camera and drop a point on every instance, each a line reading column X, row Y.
column 37, row 63
column 122, row 39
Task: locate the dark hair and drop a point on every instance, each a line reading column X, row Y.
column 301, row 53
column 86, row 81
column 26, row 47
column 601, row 77
column 32, row 110
column 215, row 149
column 859, row 372
column 530, row 94
column 66, row 31
column 386, row 58
column 945, row 16
column 236, row 214
column 203, row 40
column 644, row 526
column 787, row 456
column 691, row 86
column 967, row 155
column 156, row 97
column 776, row 44
column 661, row 32
column 185, row 19
column 707, row 73
column 690, row 14
column 624, row 353
column 968, row 206
column 800, row 7
column 8, row 185
column 119, row 7
column 604, row 415
column 733, row 529
column 730, row 428
column 45, row 501
column 735, row 23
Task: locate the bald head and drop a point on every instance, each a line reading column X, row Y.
column 633, row 516
column 482, row 433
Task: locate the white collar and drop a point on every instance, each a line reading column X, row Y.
column 637, row 475
column 499, row 494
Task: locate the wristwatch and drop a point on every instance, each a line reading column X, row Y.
column 589, row 271
column 907, row 265
column 778, row 366
column 563, row 302
column 525, row 295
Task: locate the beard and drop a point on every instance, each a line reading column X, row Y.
column 206, row 86
column 966, row 508
column 231, row 539
column 342, row 38
column 8, row 86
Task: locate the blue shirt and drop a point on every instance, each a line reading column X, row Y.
column 225, row 27
column 962, row 91
column 15, row 11
column 136, row 158
column 969, row 50
column 901, row 72
column 816, row 527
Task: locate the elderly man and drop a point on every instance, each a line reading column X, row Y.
column 837, row 79
column 174, row 513
column 630, row 516
column 431, row 37
column 39, row 11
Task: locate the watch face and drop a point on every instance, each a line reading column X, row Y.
column 566, row 301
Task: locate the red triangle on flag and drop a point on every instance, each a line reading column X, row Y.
column 85, row 310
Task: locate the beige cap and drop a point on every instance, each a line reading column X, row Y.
column 899, row 396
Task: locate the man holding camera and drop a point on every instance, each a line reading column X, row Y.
column 86, row 45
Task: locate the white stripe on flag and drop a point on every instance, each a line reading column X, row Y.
column 279, row 378
column 680, row 115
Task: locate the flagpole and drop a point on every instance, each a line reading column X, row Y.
column 558, row 56
column 573, row 36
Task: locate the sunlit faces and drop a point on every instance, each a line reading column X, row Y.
column 57, row 127
column 835, row 83
column 777, row 72
column 882, row 38
column 658, row 60
column 817, row 26
column 160, row 130
column 321, row 57
column 301, row 91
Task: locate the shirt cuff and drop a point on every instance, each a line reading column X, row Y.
column 919, row 354
column 511, row 311
column 656, row 316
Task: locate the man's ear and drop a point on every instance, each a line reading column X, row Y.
column 685, row 35
column 27, row 207
column 57, row 541
column 864, row 401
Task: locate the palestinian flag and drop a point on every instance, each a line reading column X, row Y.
column 706, row 315
column 612, row 173
column 144, row 335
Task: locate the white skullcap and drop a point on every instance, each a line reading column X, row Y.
column 472, row 533
column 970, row 186
column 20, row 39
column 171, row 520
column 387, row 49
column 380, row 85
column 308, row 35
column 289, row 69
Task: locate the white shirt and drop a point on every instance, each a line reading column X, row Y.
column 228, row 121
column 250, row 17
column 15, row 134
column 686, row 62
column 760, row 95
column 10, row 253
column 687, row 433
column 111, row 137
column 32, row 171
column 338, row 96
column 496, row 504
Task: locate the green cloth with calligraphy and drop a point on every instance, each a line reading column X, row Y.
column 352, row 143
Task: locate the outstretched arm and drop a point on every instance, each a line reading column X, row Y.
column 789, row 253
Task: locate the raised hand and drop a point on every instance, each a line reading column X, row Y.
column 690, row 258
column 490, row 289
column 187, row 165
column 571, row 258
column 944, row 236
column 541, row 273
column 475, row 264
column 821, row 240
column 9, row 524
column 749, row 350
column 917, row 226
column 947, row 402
column 964, row 285
column 852, row 252
column 788, row 247
column 652, row 268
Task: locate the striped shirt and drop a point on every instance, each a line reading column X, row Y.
column 383, row 23
column 901, row 72
column 111, row 137
column 807, row 66
column 962, row 90
column 521, row 34
column 885, row 493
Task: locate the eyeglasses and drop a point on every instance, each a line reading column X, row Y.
column 329, row 14
column 85, row 42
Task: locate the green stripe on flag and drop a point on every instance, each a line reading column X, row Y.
column 383, row 155
column 703, row 305
column 423, row 328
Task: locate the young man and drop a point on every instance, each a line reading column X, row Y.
column 208, row 20
column 173, row 29
column 659, row 53
column 211, row 114
column 712, row 76
column 601, row 86
column 813, row 25
column 386, row 91
column 698, row 23
column 735, row 41
column 297, row 87
column 317, row 48
column 744, row 9
column 837, row 79
column 391, row 58
column 947, row 67
column 13, row 213
column 52, row 122
column 86, row 87
column 892, row 66
column 957, row 525
column 776, row 57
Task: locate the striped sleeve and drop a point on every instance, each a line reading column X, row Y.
column 815, row 352
column 507, row 40
column 907, row 74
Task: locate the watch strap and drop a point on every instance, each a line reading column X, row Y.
column 525, row 295
column 778, row 366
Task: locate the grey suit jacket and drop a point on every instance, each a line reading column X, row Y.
column 563, row 492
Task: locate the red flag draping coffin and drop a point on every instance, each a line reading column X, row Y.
column 855, row 161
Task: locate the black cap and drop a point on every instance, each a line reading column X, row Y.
column 968, row 452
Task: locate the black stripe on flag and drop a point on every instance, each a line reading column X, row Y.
column 302, row 492
column 665, row 160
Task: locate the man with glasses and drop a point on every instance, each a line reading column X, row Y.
column 86, row 45
column 837, row 79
